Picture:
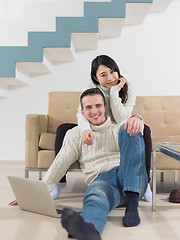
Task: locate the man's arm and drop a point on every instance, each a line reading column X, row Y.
column 68, row 154
column 134, row 125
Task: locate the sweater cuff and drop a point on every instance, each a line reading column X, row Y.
column 115, row 89
column 137, row 115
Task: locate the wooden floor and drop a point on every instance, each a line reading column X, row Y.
column 16, row 224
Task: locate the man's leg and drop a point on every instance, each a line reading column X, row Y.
column 77, row 227
column 132, row 174
column 100, row 197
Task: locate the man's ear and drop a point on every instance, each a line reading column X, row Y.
column 82, row 111
column 106, row 106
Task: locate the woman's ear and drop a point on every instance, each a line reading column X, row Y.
column 95, row 78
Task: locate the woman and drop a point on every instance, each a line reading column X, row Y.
column 120, row 99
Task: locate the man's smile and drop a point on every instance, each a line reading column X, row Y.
column 95, row 117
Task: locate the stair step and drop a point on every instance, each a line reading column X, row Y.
column 159, row 6
column 110, row 27
column 84, row 41
column 32, row 69
column 136, row 13
column 59, row 55
column 11, row 83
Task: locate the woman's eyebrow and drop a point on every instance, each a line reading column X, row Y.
column 101, row 73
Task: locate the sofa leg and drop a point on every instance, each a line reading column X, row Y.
column 176, row 178
column 40, row 175
column 26, row 173
column 162, row 176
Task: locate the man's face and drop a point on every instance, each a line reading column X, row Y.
column 94, row 109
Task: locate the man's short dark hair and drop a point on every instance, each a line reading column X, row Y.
column 91, row 92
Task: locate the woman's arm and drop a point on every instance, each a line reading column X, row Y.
column 122, row 111
column 83, row 123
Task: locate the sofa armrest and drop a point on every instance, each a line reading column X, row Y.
column 35, row 124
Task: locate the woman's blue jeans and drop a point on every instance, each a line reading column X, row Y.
column 107, row 191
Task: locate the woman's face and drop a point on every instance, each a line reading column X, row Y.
column 106, row 76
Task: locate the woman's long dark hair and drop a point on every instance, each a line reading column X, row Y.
column 110, row 63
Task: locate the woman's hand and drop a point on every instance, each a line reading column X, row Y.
column 122, row 82
column 87, row 137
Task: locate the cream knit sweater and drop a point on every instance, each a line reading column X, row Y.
column 103, row 155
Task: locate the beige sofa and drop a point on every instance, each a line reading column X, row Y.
column 161, row 113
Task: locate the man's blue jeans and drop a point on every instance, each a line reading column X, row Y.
column 107, row 191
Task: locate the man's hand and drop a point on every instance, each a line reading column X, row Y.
column 87, row 137
column 133, row 126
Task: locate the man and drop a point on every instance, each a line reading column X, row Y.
column 114, row 178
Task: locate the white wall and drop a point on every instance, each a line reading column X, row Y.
column 17, row 17
column 147, row 54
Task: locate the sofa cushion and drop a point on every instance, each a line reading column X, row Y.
column 62, row 109
column 47, row 141
column 161, row 113
column 45, row 158
column 164, row 162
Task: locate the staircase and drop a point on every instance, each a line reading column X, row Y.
column 19, row 64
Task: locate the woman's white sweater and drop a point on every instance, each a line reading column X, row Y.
column 103, row 155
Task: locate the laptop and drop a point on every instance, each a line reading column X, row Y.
column 34, row 196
